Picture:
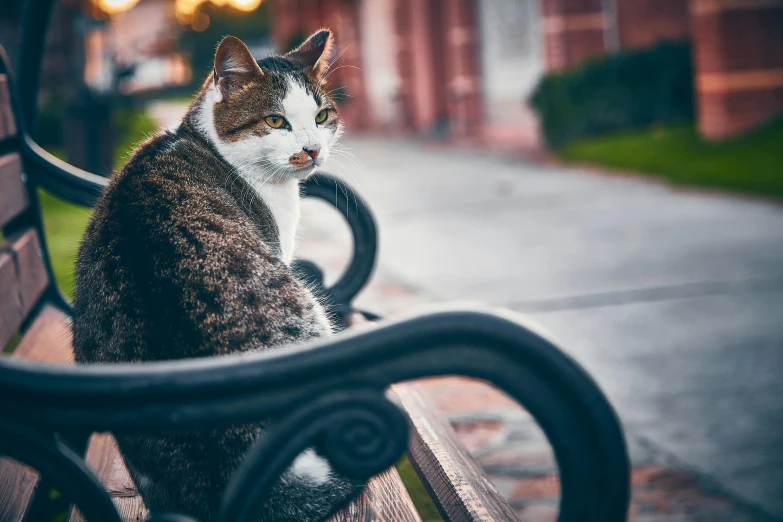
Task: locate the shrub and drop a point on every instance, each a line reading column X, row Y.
column 625, row 90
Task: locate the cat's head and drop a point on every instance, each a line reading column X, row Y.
column 271, row 119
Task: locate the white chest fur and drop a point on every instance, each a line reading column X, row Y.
column 282, row 199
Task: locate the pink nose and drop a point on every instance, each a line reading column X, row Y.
column 313, row 153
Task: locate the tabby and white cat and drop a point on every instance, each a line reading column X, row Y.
column 188, row 253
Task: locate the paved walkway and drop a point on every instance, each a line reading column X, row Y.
column 673, row 300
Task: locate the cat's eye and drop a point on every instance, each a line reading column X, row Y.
column 322, row 116
column 275, row 121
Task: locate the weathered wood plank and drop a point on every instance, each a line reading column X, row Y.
column 47, row 339
column 31, row 269
column 13, row 194
column 104, row 458
column 7, row 122
column 17, row 484
column 10, row 304
column 384, row 500
column 454, row 480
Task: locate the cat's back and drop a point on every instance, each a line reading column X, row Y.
column 141, row 259
column 181, row 260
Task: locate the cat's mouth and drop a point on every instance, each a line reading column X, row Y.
column 302, row 172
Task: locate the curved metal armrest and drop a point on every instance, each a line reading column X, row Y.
column 303, row 387
column 59, row 177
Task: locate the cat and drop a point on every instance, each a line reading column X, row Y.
column 188, row 255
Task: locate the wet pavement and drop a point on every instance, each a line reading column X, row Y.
column 672, row 299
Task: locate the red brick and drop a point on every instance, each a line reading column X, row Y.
column 480, row 434
column 739, row 39
column 538, row 513
column 532, row 488
column 570, row 7
column 568, row 48
column 644, row 22
column 738, row 54
column 461, row 395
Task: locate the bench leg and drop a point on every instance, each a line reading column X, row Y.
column 43, row 506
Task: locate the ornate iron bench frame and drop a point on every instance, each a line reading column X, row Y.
column 329, row 392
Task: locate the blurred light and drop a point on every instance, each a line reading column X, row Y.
column 200, row 22
column 116, row 6
column 187, row 11
column 245, row 5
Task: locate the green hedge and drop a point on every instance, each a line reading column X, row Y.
column 625, row 90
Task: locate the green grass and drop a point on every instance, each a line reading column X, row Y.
column 134, row 125
column 750, row 164
column 64, row 224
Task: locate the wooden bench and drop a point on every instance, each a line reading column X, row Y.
column 42, row 332
column 58, row 417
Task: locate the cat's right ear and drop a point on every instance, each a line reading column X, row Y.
column 234, row 66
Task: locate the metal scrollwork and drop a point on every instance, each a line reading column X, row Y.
column 59, row 463
column 367, row 438
column 359, row 431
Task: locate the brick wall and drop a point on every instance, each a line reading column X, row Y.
column 644, row 22
column 460, row 44
column 573, row 31
column 738, row 54
column 341, row 16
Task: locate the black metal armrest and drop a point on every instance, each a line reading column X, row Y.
column 326, row 390
column 59, row 177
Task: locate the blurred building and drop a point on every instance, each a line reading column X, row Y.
column 452, row 68
column 463, row 69
column 135, row 50
column 738, row 48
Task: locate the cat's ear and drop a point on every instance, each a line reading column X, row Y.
column 234, row 65
column 314, row 53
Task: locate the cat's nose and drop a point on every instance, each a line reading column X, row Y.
column 313, row 153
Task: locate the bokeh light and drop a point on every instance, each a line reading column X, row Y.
column 116, row 6
column 188, row 11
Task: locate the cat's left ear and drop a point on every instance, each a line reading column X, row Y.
column 314, row 53
column 234, row 66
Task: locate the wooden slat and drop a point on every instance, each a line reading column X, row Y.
column 104, row 457
column 23, row 279
column 17, row 483
column 384, row 500
column 30, row 268
column 13, row 194
column 10, row 303
column 454, row 480
column 47, row 339
column 7, row 122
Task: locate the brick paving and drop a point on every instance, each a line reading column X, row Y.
column 513, row 451
column 511, row 448
column 505, row 440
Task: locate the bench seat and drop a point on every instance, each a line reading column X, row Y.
column 49, row 339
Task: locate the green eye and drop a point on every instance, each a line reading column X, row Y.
column 322, row 116
column 275, row 121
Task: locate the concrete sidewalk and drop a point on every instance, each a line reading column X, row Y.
column 672, row 300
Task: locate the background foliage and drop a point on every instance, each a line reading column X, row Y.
column 625, row 90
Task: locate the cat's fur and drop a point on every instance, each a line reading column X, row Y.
column 187, row 255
